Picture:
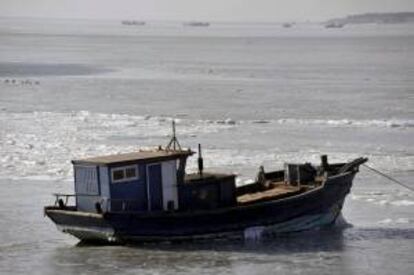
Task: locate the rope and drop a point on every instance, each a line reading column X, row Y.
column 389, row 177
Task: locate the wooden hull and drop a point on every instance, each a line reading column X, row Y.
column 313, row 209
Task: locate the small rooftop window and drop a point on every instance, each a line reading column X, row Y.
column 124, row 174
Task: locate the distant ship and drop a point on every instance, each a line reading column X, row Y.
column 133, row 23
column 332, row 25
column 196, row 24
column 288, row 25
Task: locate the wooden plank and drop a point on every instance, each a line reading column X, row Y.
column 277, row 190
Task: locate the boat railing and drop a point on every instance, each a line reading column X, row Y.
column 105, row 204
column 69, row 199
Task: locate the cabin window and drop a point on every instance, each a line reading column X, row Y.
column 123, row 174
column 131, row 172
column 86, row 180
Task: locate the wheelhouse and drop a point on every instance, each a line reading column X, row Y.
column 138, row 181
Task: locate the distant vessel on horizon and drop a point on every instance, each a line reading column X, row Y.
column 196, row 24
column 133, row 23
column 336, row 25
column 288, row 24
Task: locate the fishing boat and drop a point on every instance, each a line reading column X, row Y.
column 334, row 25
column 133, row 23
column 288, row 25
column 196, row 24
column 147, row 196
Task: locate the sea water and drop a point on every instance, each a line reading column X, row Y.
column 251, row 94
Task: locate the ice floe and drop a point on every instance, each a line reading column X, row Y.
column 43, row 143
column 392, row 197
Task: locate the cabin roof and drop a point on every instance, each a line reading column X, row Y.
column 140, row 156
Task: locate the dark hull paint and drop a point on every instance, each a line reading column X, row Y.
column 315, row 208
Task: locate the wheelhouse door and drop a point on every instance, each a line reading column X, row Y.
column 154, row 187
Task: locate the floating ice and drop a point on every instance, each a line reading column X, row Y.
column 390, row 221
column 402, row 203
column 386, row 221
column 43, row 143
column 391, row 198
column 392, row 123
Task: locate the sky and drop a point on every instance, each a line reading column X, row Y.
column 209, row 10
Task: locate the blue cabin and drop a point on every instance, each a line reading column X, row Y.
column 138, row 181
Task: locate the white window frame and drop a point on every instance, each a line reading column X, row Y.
column 124, row 168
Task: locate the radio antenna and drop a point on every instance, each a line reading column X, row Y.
column 174, row 141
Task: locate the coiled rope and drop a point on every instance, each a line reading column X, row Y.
column 389, row 177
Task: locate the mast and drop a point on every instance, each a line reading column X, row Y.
column 174, row 141
column 200, row 161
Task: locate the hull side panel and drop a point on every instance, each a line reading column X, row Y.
column 314, row 209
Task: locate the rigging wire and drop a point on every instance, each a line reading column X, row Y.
column 389, row 177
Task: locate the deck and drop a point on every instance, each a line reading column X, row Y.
column 278, row 190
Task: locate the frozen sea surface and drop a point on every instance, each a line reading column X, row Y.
column 252, row 94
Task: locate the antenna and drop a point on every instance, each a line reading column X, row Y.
column 174, row 141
